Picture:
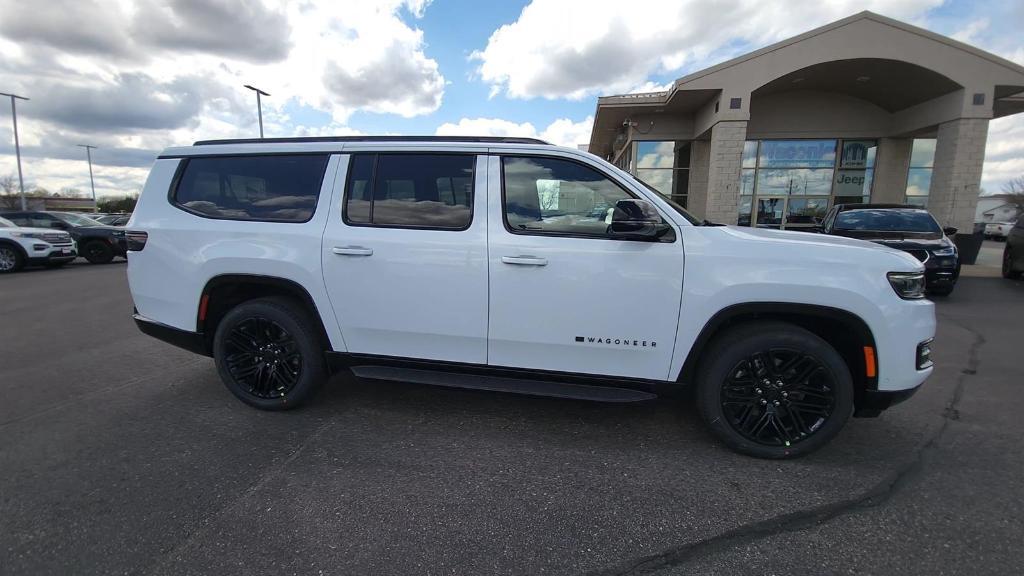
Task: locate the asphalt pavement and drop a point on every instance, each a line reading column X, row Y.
column 121, row 454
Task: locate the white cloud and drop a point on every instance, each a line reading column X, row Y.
column 577, row 48
column 970, row 32
column 561, row 132
column 1004, row 152
column 136, row 76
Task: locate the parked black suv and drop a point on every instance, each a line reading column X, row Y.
column 96, row 242
column 907, row 228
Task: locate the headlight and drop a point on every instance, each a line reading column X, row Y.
column 908, row 285
column 947, row 251
column 36, row 235
column 117, row 233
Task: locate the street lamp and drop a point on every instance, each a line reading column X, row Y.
column 92, row 184
column 17, row 145
column 259, row 104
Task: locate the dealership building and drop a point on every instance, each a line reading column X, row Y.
column 864, row 109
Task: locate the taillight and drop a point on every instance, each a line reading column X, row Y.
column 136, row 240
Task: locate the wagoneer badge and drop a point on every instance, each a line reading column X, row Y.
column 618, row 341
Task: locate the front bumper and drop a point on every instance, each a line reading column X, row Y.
column 871, row 403
column 52, row 254
column 941, row 271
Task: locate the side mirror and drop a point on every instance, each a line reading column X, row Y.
column 58, row 225
column 637, row 220
column 949, row 230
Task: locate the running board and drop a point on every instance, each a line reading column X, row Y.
column 502, row 384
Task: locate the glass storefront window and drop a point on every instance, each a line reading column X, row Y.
column 797, row 154
column 792, row 183
column 919, row 175
column 802, row 181
column 922, row 155
column 744, row 216
column 660, row 180
column 750, row 154
column 806, row 210
column 770, row 212
column 665, row 166
column 747, row 182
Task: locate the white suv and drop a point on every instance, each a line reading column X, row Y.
column 512, row 265
column 20, row 246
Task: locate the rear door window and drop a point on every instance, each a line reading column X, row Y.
column 278, row 188
column 410, row 191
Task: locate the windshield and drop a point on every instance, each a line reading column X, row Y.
column 5, row 223
column 888, row 220
column 76, row 219
column 675, row 206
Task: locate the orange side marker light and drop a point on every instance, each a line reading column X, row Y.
column 870, row 370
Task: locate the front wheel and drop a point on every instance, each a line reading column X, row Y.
column 10, row 259
column 774, row 390
column 269, row 354
column 98, row 252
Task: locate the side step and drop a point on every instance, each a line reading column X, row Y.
column 502, row 384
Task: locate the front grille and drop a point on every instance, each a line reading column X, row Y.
column 57, row 237
column 921, row 255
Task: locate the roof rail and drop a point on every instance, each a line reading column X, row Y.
column 484, row 139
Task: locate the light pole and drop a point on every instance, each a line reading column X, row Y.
column 92, row 184
column 259, row 104
column 17, row 145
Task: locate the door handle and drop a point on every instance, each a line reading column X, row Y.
column 352, row 251
column 525, row 260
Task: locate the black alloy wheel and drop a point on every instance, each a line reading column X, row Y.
column 771, row 389
column 778, row 397
column 270, row 353
column 263, row 357
column 97, row 252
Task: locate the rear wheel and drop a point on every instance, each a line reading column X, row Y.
column 10, row 259
column 1008, row 271
column 269, row 354
column 98, row 252
column 774, row 390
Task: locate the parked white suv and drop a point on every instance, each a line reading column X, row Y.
column 20, row 246
column 512, row 265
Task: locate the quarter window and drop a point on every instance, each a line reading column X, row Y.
column 280, row 188
column 410, row 190
column 548, row 195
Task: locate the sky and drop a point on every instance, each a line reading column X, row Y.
column 135, row 76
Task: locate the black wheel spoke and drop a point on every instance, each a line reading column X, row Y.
column 778, row 396
column 263, row 358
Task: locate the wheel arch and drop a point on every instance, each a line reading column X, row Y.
column 226, row 291
column 21, row 249
column 845, row 331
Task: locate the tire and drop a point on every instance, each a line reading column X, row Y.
column 1008, row 271
column 736, row 396
column 97, row 252
column 11, row 259
column 255, row 334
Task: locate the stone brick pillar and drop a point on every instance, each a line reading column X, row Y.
column 725, row 160
column 956, row 175
column 892, row 161
column 697, row 199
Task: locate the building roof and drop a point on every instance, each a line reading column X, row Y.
column 927, row 65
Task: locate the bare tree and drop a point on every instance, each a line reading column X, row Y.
column 1014, row 192
column 9, row 198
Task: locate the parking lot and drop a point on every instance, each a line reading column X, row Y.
column 121, row 454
